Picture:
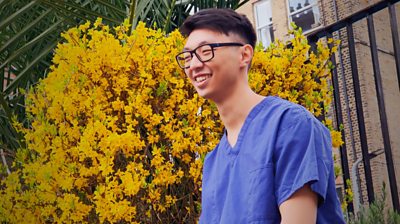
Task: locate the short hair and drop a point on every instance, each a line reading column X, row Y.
column 225, row 21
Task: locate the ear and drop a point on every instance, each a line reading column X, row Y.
column 246, row 56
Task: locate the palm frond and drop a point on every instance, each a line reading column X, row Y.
column 30, row 30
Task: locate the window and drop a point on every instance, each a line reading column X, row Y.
column 9, row 76
column 263, row 16
column 304, row 13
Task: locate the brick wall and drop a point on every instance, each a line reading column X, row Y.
column 332, row 11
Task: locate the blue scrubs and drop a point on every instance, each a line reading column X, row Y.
column 280, row 148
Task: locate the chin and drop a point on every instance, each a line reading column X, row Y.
column 208, row 97
column 203, row 94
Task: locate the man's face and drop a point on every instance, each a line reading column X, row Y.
column 217, row 77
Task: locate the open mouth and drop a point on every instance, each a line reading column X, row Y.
column 202, row 78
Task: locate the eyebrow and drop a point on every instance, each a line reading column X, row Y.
column 201, row 43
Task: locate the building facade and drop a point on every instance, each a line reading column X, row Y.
column 272, row 19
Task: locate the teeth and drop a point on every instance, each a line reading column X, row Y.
column 202, row 78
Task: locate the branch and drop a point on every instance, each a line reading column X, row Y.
column 132, row 14
column 167, row 23
column 3, row 158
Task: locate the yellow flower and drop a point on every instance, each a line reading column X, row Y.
column 118, row 133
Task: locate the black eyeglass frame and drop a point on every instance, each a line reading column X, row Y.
column 212, row 45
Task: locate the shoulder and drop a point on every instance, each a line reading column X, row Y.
column 296, row 121
column 278, row 115
column 291, row 114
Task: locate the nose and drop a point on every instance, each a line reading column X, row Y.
column 195, row 62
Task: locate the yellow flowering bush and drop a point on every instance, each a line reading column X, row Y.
column 293, row 72
column 119, row 135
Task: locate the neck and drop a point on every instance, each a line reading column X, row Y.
column 234, row 109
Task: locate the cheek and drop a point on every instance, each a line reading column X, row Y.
column 231, row 60
column 186, row 73
column 229, row 67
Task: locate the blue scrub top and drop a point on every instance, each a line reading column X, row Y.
column 280, row 148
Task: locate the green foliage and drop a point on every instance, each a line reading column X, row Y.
column 29, row 32
column 375, row 213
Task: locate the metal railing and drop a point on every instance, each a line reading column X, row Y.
column 346, row 26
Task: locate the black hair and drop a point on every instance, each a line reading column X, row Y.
column 225, row 21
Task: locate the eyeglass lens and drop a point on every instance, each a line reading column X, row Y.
column 203, row 53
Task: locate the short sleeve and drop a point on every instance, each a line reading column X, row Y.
column 302, row 155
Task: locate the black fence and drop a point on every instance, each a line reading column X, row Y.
column 344, row 28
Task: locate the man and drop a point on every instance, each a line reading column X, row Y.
column 274, row 161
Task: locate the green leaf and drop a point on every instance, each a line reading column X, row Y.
column 162, row 88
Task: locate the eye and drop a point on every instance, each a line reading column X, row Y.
column 187, row 58
column 206, row 51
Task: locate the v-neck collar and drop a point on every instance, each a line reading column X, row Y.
column 234, row 150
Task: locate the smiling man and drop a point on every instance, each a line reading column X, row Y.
column 274, row 161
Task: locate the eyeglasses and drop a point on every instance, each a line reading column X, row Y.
column 203, row 52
